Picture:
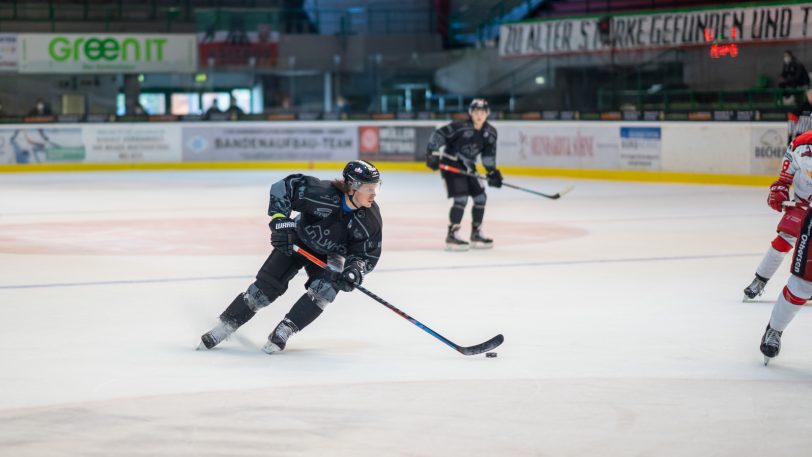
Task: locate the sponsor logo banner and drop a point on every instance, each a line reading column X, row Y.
column 223, row 143
column 767, row 147
column 760, row 24
column 115, row 143
column 390, row 143
column 106, row 53
column 8, row 52
column 26, row 144
column 580, row 146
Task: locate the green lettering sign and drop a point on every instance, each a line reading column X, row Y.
column 59, row 49
column 110, row 49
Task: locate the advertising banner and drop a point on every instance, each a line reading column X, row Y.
column 767, row 147
column 234, row 143
column 115, row 143
column 594, row 146
column 8, row 52
column 107, row 53
column 23, row 144
column 640, row 148
column 393, row 143
column 668, row 29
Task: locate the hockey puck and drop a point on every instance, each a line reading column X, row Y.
column 490, row 354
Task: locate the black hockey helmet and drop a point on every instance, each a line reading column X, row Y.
column 479, row 103
column 359, row 172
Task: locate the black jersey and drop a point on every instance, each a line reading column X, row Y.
column 463, row 144
column 323, row 225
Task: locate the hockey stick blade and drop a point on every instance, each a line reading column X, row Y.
column 489, row 345
column 471, row 350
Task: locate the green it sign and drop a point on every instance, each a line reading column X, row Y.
column 107, row 53
column 110, row 49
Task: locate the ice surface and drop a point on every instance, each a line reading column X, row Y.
column 625, row 334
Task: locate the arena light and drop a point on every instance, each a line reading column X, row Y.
column 541, row 80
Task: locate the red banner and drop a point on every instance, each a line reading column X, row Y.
column 225, row 54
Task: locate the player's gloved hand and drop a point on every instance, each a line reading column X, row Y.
column 352, row 276
column 433, row 159
column 282, row 230
column 495, row 178
column 779, row 193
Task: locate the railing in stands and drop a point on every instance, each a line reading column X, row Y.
column 687, row 99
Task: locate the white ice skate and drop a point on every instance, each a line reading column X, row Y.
column 479, row 240
column 755, row 289
column 215, row 336
column 770, row 344
column 454, row 243
column 279, row 337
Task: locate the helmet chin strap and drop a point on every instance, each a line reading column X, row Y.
column 352, row 202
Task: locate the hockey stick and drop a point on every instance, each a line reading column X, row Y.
column 789, row 204
column 489, row 345
column 554, row 196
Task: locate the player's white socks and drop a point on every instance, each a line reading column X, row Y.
column 770, row 263
column 784, row 311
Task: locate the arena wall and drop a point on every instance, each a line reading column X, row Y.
column 703, row 152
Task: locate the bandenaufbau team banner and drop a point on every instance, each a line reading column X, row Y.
column 759, row 24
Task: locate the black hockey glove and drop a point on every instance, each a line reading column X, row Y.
column 495, row 178
column 282, row 230
column 433, row 160
column 352, row 276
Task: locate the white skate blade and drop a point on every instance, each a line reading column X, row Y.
column 456, row 247
column 766, row 360
column 481, row 245
column 270, row 348
column 201, row 346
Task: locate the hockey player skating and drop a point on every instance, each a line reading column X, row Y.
column 459, row 144
column 339, row 222
column 799, row 286
column 796, row 158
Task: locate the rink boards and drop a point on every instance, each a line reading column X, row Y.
column 702, row 152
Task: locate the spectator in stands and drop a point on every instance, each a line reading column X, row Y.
column 342, row 105
column 139, row 110
column 40, row 109
column 234, row 112
column 213, row 111
column 793, row 74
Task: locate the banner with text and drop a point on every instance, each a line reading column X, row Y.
column 593, row 147
column 390, row 143
column 8, row 52
column 767, row 147
column 122, row 143
column 669, row 29
column 106, row 53
column 269, row 142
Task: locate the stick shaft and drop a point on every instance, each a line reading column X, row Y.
column 456, row 347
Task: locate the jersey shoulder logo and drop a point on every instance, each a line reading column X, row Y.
column 322, row 212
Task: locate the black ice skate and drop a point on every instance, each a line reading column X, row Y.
column 770, row 344
column 279, row 337
column 755, row 288
column 216, row 335
column 479, row 240
column 452, row 242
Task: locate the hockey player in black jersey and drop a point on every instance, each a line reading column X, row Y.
column 458, row 144
column 339, row 222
